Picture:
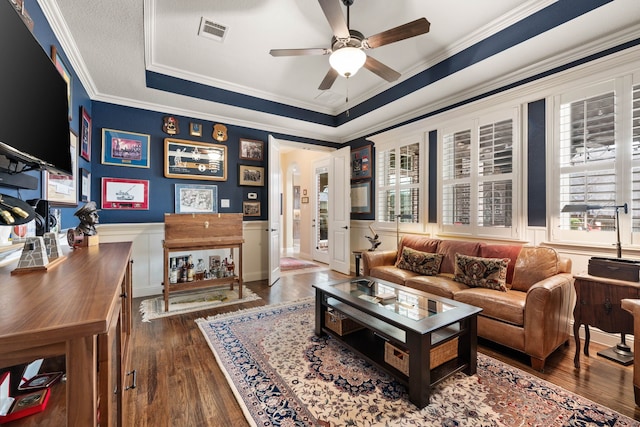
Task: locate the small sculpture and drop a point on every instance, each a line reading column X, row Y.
column 88, row 215
column 374, row 242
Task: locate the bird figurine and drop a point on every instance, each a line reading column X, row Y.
column 374, row 242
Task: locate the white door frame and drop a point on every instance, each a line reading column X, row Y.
column 274, row 216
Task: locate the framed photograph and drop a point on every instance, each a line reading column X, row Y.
column 122, row 148
column 251, row 175
column 195, row 129
column 194, row 160
column 85, row 134
column 85, row 185
column 251, row 208
column 361, row 197
column 361, row 163
column 62, row 190
column 196, row 198
column 41, row 381
column 251, row 149
column 121, row 193
column 66, row 75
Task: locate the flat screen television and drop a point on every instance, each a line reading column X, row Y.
column 34, row 120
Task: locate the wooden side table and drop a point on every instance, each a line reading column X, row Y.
column 598, row 303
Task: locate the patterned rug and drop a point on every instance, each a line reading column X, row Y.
column 288, row 264
column 187, row 302
column 283, row 375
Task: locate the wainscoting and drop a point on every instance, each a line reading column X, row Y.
column 148, row 254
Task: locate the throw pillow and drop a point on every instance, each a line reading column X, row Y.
column 420, row 262
column 482, row 272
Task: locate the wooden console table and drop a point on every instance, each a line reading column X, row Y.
column 598, row 303
column 80, row 309
column 196, row 232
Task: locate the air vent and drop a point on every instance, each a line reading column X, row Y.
column 212, row 30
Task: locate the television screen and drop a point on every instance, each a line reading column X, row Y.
column 34, row 120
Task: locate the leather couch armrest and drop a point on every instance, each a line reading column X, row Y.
column 377, row 258
column 548, row 312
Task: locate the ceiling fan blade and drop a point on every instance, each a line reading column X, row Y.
column 328, row 80
column 300, row 52
column 381, row 70
column 408, row 30
column 333, row 12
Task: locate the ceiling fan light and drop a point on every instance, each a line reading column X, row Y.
column 347, row 60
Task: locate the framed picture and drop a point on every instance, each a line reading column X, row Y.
column 251, row 175
column 66, row 75
column 194, row 160
column 251, row 208
column 361, row 163
column 85, row 134
column 196, row 198
column 62, row 190
column 122, row 193
column 85, row 185
column 251, row 149
column 361, row 197
column 122, row 148
column 195, row 129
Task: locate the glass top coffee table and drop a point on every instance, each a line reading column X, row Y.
column 401, row 330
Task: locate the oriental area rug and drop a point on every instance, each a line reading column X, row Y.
column 283, row 375
column 188, row 302
column 289, row 264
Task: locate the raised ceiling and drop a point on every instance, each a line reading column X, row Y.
column 134, row 52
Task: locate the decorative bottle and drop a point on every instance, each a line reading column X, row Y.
column 183, row 271
column 190, row 269
column 173, row 273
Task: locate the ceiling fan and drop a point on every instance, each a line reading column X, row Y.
column 348, row 45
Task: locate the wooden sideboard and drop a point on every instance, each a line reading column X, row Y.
column 81, row 308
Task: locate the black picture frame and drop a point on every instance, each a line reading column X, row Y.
column 361, row 164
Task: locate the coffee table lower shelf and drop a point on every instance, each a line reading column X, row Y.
column 369, row 342
column 374, row 345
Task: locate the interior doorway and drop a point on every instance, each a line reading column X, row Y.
column 298, row 197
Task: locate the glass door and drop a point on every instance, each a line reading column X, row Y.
column 321, row 217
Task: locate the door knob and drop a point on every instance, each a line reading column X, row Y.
column 345, row 227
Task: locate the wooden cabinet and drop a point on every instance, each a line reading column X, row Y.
column 198, row 232
column 598, row 304
column 81, row 309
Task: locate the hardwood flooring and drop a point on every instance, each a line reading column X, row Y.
column 180, row 384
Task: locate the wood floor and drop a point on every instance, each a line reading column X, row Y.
column 180, row 384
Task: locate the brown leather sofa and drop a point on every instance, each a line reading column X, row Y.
column 531, row 315
column 633, row 307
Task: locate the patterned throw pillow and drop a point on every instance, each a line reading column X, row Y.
column 421, row 262
column 482, row 272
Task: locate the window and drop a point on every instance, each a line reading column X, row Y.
column 398, row 182
column 598, row 159
column 477, row 176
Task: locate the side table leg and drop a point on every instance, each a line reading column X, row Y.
column 576, row 336
column 587, row 338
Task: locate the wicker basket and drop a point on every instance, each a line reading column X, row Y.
column 399, row 359
column 340, row 324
